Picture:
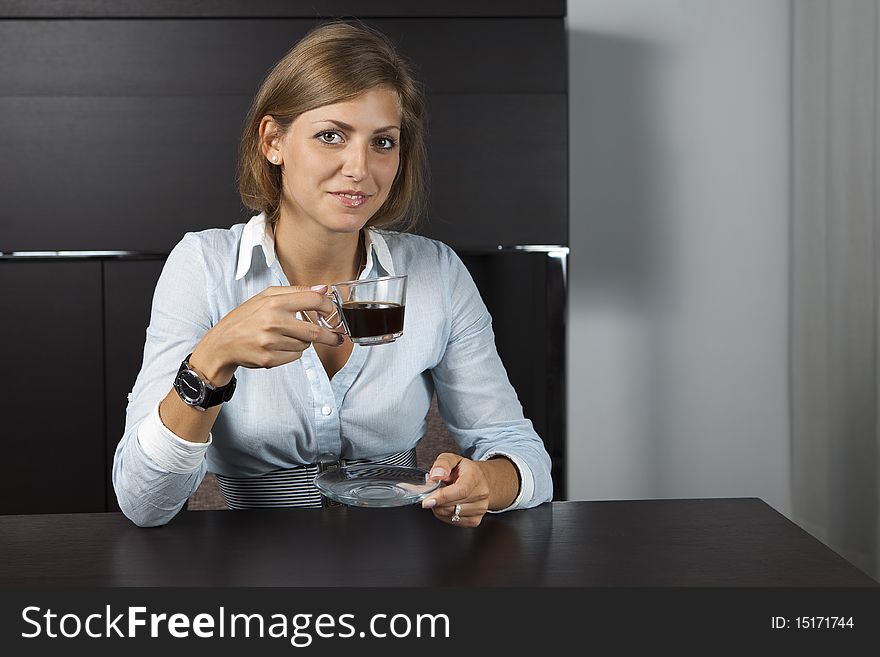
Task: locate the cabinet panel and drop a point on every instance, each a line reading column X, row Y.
column 279, row 8
column 53, row 391
column 499, row 170
column 152, row 57
column 525, row 296
column 128, row 294
column 121, row 173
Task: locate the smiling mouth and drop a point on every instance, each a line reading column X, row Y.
column 351, row 200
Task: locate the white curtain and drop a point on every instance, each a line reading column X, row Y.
column 835, row 242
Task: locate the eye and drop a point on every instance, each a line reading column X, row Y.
column 385, row 143
column 329, row 137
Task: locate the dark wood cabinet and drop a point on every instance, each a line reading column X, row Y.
column 523, row 292
column 51, row 341
column 128, row 294
column 134, row 125
column 498, row 167
column 72, row 334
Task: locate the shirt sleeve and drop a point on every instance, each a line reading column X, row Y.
column 474, row 394
column 168, row 450
column 154, row 471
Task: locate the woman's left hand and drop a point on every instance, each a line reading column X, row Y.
column 469, row 488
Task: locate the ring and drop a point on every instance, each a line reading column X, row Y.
column 455, row 516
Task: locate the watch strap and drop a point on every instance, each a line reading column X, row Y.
column 213, row 396
column 219, row 395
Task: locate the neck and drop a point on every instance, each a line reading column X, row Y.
column 317, row 257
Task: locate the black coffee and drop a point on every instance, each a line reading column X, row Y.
column 369, row 318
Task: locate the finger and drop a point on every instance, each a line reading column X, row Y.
column 308, row 333
column 458, row 492
column 468, row 515
column 288, row 304
column 270, row 359
column 274, row 290
column 448, row 510
column 285, row 344
column 327, row 308
column 282, row 349
column 300, row 297
column 323, row 305
column 329, row 337
column 443, row 466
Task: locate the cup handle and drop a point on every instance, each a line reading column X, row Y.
column 337, row 312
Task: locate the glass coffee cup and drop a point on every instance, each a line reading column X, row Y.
column 370, row 311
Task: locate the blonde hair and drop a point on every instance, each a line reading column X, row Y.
column 333, row 63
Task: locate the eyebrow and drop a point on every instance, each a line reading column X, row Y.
column 345, row 126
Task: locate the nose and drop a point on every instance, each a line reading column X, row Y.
column 356, row 164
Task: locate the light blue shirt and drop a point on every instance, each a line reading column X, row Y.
column 295, row 414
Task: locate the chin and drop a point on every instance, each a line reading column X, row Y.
column 347, row 223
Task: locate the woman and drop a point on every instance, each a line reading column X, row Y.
column 238, row 376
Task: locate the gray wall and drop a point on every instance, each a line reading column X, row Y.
column 679, row 170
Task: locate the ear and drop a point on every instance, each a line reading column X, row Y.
column 270, row 136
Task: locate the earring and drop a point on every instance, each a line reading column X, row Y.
column 275, row 159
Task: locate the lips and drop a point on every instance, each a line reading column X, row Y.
column 351, row 198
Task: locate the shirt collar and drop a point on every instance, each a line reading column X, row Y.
column 258, row 233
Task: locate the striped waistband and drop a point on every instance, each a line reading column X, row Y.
column 295, row 486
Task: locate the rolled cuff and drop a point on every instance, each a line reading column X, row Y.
column 166, row 449
column 526, row 480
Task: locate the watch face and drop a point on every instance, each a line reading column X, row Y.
column 190, row 387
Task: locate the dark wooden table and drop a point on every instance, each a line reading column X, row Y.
column 665, row 543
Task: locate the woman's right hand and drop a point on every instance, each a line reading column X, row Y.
column 264, row 332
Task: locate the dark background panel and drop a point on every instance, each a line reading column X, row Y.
column 556, row 337
column 500, row 170
column 53, row 392
column 276, row 8
column 483, row 56
column 231, row 57
column 517, row 288
column 135, row 173
column 128, row 295
column 513, row 287
column 117, row 173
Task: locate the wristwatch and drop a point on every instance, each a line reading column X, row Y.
column 198, row 393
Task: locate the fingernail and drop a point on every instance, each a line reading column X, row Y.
column 438, row 472
column 429, row 504
column 318, row 288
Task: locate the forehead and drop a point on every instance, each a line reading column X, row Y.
column 378, row 107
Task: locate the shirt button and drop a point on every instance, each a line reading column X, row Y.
column 326, row 410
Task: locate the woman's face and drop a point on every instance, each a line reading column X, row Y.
column 340, row 161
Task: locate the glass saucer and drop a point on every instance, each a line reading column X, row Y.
column 376, row 485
